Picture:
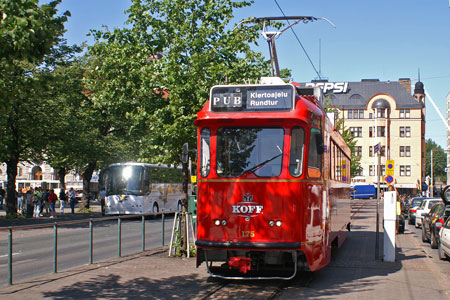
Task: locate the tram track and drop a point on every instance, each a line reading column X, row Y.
column 256, row 289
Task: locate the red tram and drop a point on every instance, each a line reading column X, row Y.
column 273, row 182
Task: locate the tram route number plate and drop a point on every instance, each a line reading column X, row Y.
column 252, row 98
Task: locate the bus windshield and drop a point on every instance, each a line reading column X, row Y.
column 124, row 180
column 256, row 150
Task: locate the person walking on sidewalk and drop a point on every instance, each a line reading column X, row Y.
column 62, row 200
column 52, row 198
column 2, row 196
column 72, row 198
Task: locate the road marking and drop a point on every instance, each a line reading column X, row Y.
column 6, row 255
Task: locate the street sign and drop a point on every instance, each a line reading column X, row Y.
column 389, row 167
column 376, row 148
column 389, row 179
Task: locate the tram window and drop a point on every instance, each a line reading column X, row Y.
column 296, row 155
column 315, row 153
column 249, row 150
column 205, row 152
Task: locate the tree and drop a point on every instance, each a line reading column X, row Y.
column 439, row 161
column 27, row 33
column 158, row 72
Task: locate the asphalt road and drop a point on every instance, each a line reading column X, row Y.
column 33, row 249
column 444, row 265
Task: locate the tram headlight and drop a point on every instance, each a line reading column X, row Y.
column 224, row 222
column 217, row 222
column 278, row 223
column 271, row 223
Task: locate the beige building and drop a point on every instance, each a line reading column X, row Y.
column 388, row 114
column 40, row 175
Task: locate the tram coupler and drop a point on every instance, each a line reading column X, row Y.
column 243, row 264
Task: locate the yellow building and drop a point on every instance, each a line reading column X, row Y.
column 388, row 114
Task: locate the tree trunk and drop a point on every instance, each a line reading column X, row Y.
column 62, row 178
column 87, row 175
column 11, row 196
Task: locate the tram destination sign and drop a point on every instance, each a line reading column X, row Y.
column 252, row 98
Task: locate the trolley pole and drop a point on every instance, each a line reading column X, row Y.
column 377, row 234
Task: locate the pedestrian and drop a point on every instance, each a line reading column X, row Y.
column 29, row 202
column 62, row 200
column 2, row 196
column 20, row 201
column 72, row 197
column 52, row 198
column 37, row 202
column 45, row 203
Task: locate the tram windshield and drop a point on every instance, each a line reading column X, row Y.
column 256, row 150
column 124, row 180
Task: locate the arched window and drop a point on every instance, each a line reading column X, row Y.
column 36, row 173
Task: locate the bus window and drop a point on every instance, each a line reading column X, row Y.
column 296, row 156
column 315, row 153
column 205, row 153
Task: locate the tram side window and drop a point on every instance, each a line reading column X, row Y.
column 205, row 152
column 296, row 156
column 315, row 153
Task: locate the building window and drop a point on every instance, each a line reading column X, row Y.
column 370, row 151
column 404, row 113
column 370, row 115
column 405, row 131
column 402, row 151
column 383, row 151
column 359, row 172
column 405, row 170
column 19, row 171
column 358, row 151
column 361, row 114
column 381, row 131
column 381, row 113
column 408, row 151
column 350, row 114
column 356, row 131
column 371, row 170
column 371, row 132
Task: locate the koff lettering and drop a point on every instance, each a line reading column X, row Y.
column 247, row 209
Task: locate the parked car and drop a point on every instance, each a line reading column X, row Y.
column 444, row 240
column 414, row 204
column 444, row 233
column 424, row 208
column 432, row 223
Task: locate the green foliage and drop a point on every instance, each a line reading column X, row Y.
column 27, row 33
column 439, row 161
column 157, row 73
column 355, row 165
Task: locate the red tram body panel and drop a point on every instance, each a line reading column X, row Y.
column 273, row 190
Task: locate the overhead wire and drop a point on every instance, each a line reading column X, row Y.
column 300, row 43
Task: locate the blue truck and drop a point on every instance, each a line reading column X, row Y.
column 366, row 191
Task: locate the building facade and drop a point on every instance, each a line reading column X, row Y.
column 387, row 116
column 40, row 175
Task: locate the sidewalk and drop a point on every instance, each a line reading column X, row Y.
column 67, row 216
column 352, row 274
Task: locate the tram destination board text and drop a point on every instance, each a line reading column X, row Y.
column 252, row 98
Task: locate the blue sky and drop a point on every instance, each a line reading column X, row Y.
column 384, row 39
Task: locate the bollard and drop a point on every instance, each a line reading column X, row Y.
column 143, row 233
column 91, row 242
column 10, row 251
column 119, row 236
column 162, row 234
column 55, row 248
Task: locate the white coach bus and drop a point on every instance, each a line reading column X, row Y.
column 140, row 188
